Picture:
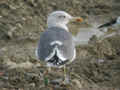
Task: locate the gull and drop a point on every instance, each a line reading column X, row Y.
column 56, row 46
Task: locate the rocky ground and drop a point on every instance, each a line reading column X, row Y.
column 97, row 66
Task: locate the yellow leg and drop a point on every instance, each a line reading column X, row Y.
column 49, row 69
column 66, row 78
column 46, row 80
column 65, row 72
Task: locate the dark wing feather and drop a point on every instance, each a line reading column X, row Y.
column 108, row 24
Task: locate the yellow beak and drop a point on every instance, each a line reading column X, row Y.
column 77, row 19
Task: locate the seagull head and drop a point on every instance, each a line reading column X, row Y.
column 61, row 19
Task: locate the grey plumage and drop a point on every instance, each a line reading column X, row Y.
column 66, row 49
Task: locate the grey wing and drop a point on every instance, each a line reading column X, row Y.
column 45, row 48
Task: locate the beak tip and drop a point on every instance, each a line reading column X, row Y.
column 79, row 19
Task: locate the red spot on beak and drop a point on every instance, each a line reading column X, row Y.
column 79, row 20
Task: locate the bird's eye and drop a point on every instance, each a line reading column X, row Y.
column 62, row 16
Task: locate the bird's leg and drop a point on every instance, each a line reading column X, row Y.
column 46, row 80
column 66, row 78
column 65, row 72
column 49, row 69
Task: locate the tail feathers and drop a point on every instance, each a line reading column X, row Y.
column 55, row 60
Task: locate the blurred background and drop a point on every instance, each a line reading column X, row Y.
column 97, row 66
